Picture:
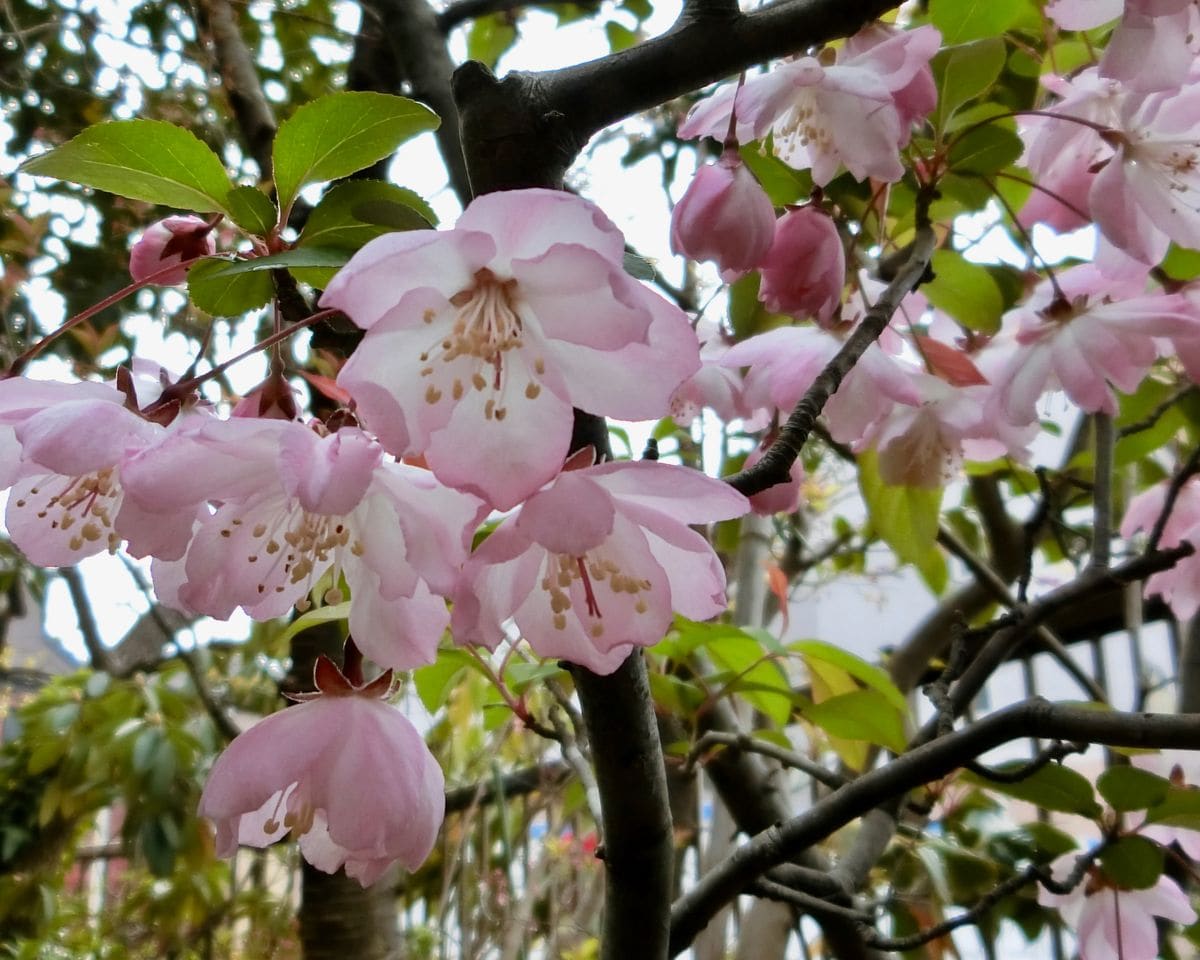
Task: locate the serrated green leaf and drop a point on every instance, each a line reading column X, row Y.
column 966, row 291
column 435, row 681
column 1180, row 808
column 1053, row 787
column 986, row 149
column 1133, row 863
column 148, row 160
column 759, row 681
column 252, row 210
column 865, row 715
column 224, row 295
column 963, row 72
column 782, row 184
column 866, row 673
column 906, row 519
column 638, row 266
column 1130, row 788
column 964, row 20
column 335, row 135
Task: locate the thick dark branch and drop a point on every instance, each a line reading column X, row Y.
column 932, row 761
column 777, row 461
column 519, row 783
column 239, row 79
column 465, row 10
column 638, row 840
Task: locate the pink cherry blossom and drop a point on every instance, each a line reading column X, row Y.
column 804, row 272
column 1112, row 923
column 481, row 339
column 595, row 563
column 1149, row 192
column 294, row 504
column 1153, row 46
column 67, row 500
column 172, row 240
column 855, row 111
column 344, row 772
column 1100, row 331
column 1180, row 585
column 724, row 216
column 713, row 385
column 1083, row 14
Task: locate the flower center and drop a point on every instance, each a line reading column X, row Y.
column 85, row 505
column 564, row 571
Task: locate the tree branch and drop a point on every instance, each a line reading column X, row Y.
column 97, row 652
column 924, row 764
column 533, row 779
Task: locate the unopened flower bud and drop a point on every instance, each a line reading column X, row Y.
column 724, row 216
column 173, row 240
column 805, row 270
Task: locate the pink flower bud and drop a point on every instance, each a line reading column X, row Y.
column 805, row 270
column 172, row 240
column 724, row 216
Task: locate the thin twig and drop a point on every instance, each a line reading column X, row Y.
column 1051, row 754
column 97, row 652
column 770, row 890
column 741, row 741
column 1186, row 472
column 1102, row 477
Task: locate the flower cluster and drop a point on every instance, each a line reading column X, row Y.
column 481, row 342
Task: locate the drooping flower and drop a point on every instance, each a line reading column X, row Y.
column 1111, row 922
column 595, row 563
column 168, row 241
column 293, row 504
column 856, row 111
column 724, row 216
column 344, row 772
column 713, row 385
column 1180, row 585
column 804, row 272
column 481, row 339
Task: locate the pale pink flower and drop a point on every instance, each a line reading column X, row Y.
column 292, row 505
column 1083, row 14
column 344, row 772
column 1101, row 331
column 1152, row 47
column 1149, row 192
column 67, row 500
column 172, row 240
column 724, row 216
column 1180, row 585
column 481, row 339
column 857, row 111
column 783, row 363
column 595, row 563
column 804, row 272
column 1111, row 923
column 1181, row 768
column 713, row 385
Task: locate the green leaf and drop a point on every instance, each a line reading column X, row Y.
column 675, row 695
column 1180, row 808
column 866, row 673
column 966, row 291
column 227, row 296
column 148, row 160
column 325, row 614
column 963, row 20
column 252, row 210
column 490, row 38
column 619, row 36
column 520, row 676
column 638, row 266
column 986, row 149
column 1181, row 263
column 1129, row 788
column 963, row 73
column 335, row 135
column 1053, row 787
column 860, row 715
column 296, row 257
column 760, row 681
column 781, row 183
column 1133, row 863
column 435, row 681
column 906, row 519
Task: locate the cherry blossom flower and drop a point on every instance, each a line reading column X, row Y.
column 293, row 505
column 1100, row 330
column 67, row 500
column 481, row 339
column 595, row 563
column 1110, row 922
column 804, row 272
column 172, row 240
column 1152, row 47
column 856, row 110
column 344, row 772
column 1180, row 585
column 724, row 216
column 713, row 385
column 1149, row 192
